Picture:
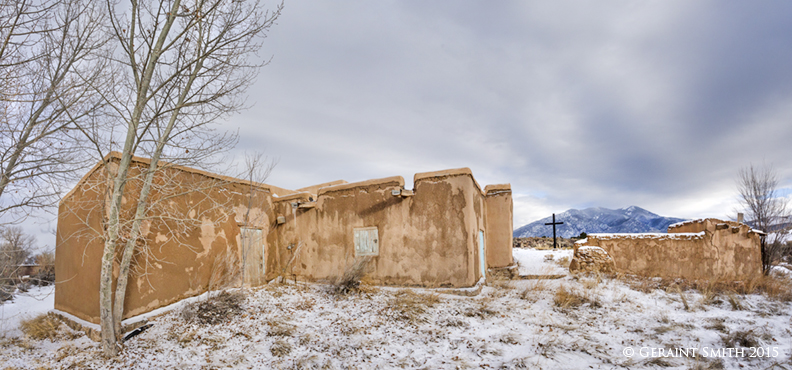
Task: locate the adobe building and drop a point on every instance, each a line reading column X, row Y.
column 698, row 249
column 208, row 230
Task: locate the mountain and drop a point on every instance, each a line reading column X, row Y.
column 599, row 220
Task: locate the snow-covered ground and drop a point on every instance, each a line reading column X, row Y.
column 25, row 305
column 567, row 323
column 542, row 262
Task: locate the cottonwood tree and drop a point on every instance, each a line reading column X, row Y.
column 181, row 66
column 15, row 247
column 47, row 53
column 765, row 210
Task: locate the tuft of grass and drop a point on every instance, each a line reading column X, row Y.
column 717, row 324
column 455, row 322
column 482, row 309
column 216, row 309
column 305, row 304
column 531, row 292
column 280, row 348
column 735, row 302
column 280, row 328
column 566, row 298
column 408, row 306
column 41, row 327
column 745, row 339
column 683, row 299
column 349, row 281
column 563, row 261
column 510, row 338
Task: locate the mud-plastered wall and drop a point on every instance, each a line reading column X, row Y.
column 499, row 225
column 190, row 241
column 718, row 251
column 426, row 237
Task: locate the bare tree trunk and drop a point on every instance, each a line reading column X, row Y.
column 176, row 94
column 765, row 210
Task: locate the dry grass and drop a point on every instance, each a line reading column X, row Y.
column 566, row 297
column 745, row 339
column 305, row 304
column 773, row 287
column 278, row 327
column 408, row 306
column 683, row 298
column 482, row 309
column 349, row 281
column 42, row 327
column 280, row 348
column 531, row 292
column 563, row 261
column 215, row 310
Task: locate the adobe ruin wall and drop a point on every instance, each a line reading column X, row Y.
column 700, row 249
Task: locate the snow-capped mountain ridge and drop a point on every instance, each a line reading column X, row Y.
column 631, row 219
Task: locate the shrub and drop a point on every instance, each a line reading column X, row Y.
column 41, row 327
column 215, row 310
column 349, row 282
column 566, row 298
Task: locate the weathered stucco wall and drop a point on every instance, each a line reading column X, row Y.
column 427, row 238
column 192, row 240
column 704, row 249
column 499, row 225
column 207, row 230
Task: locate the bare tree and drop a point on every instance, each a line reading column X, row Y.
column 181, row 67
column 15, row 248
column 765, row 210
column 46, row 57
column 257, row 169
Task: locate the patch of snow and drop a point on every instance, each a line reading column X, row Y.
column 590, row 247
column 648, row 236
column 24, row 306
column 698, row 220
column 535, row 262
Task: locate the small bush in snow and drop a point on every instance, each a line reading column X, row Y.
column 349, row 282
column 568, row 298
column 215, row 310
column 41, row 327
column 532, row 289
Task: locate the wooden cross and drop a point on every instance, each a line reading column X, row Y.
column 554, row 223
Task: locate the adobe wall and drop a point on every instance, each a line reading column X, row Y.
column 709, row 249
column 427, row 238
column 181, row 256
column 499, row 225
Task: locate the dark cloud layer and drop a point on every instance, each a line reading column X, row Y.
column 576, row 104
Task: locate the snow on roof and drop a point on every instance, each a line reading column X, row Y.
column 698, row 220
column 648, row 236
column 589, row 247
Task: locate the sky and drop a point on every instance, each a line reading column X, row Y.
column 610, row 104
column 656, row 104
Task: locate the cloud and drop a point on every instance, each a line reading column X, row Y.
column 614, row 103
